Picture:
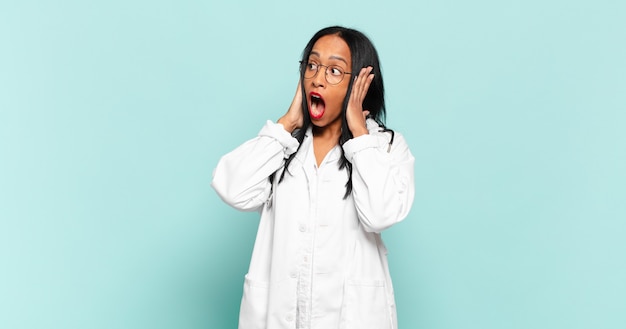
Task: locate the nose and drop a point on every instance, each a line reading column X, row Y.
column 319, row 80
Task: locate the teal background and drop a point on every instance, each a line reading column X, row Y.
column 113, row 115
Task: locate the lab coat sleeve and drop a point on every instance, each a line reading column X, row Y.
column 241, row 177
column 383, row 185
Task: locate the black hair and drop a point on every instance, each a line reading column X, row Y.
column 363, row 54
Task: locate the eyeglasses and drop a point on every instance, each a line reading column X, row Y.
column 333, row 73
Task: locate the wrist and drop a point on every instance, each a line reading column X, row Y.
column 360, row 131
column 287, row 124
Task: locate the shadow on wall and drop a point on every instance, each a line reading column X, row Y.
column 222, row 275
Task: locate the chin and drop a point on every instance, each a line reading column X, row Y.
column 324, row 122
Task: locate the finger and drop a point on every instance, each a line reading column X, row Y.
column 366, row 85
column 363, row 76
column 357, row 88
column 366, row 77
column 299, row 88
column 298, row 94
column 362, row 83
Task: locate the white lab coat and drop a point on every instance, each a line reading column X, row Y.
column 318, row 259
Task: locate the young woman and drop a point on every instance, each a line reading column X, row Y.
column 328, row 177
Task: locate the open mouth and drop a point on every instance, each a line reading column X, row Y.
column 317, row 105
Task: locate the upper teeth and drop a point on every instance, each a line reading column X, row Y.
column 315, row 96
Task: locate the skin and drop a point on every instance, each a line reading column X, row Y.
column 331, row 50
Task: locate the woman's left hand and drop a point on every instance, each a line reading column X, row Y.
column 355, row 114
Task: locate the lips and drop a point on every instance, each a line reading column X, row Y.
column 317, row 106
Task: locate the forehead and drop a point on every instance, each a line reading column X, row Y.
column 331, row 47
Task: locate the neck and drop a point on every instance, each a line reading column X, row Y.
column 330, row 132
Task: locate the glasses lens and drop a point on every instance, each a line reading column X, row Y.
column 310, row 69
column 334, row 74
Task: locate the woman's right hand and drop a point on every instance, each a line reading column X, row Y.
column 293, row 120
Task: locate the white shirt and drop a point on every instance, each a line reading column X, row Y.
column 318, row 260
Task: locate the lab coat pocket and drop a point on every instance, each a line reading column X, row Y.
column 365, row 305
column 282, row 304
column 253, row 313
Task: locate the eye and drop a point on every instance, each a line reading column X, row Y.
column 311, row 66
column 335, row 70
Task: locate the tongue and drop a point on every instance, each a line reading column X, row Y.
column 317, row 109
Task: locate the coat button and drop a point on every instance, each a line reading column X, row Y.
column 289, row 318
column 302, row 228
column 293, row 274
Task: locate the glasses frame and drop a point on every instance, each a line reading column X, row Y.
column 303, row 66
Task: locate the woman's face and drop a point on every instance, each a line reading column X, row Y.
column 330, row 53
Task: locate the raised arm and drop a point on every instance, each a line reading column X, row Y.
column 383, row 184
column 241, row 177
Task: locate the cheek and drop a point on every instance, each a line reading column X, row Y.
column 337, row 104
column 338, row 98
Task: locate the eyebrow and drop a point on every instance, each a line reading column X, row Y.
column 331, row 57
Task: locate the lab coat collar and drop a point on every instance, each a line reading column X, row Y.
column 300, row 159
column 333, row 155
